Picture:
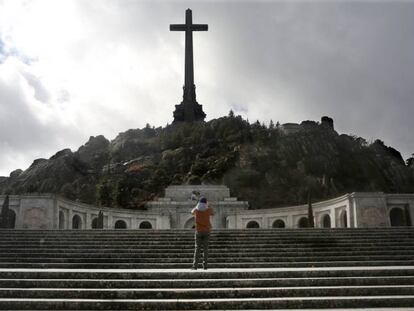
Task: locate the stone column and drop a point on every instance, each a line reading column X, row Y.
column 231, row 221
column 19, row 220
column 289, row 222
column 109, row 224
column 56, row 215
column 409, row 207
column 88, row 222
column 333, row 218
column 70, row 216
column 352, row 213
column 134, row 224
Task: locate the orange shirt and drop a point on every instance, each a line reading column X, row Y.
column 202, row 219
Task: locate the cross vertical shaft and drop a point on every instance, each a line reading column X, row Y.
column 189, row 109
column 189, row 60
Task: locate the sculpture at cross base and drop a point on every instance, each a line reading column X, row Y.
column 189, row 110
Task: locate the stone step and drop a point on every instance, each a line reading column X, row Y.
column 162, row 274
column 189, row 252
column 213, row 243
column 213, row 253
column 213, row 259
column 309, row 242
column 318, row 268
column 205, row 283
column 70, row 234
column 207, row 304
column 171, row 234
column 214, row 236
column 312, row 309
column 206, row 293
column 283, row 309
column 183, row 265
column 252, row 247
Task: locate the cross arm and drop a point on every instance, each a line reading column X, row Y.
column 199, row 27
column 180, row 27
column 184, row 27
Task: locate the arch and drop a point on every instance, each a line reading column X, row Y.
column 252, row 224
column 120, row 224
column 344, row 219
column 278, row 223
column 397, row 217
column 189, row 224
column 326, row 221
column 61, row 220
column 76, row 222
column 145, row 225
column 8, row 221
column 12, row 219
column 303, row 222
column 94, row 223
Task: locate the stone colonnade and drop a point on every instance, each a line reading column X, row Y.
column 355, row 210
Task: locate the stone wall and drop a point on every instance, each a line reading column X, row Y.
column 370, row 210
column 179, row 201
column 184, row 193
column 33, row 211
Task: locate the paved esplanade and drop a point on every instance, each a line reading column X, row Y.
column 189, row 110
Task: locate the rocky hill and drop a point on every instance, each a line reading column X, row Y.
column 267, row 165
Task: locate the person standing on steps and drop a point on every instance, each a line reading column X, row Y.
column 202, row 212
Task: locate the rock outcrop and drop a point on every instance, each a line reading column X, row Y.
column 268, row 166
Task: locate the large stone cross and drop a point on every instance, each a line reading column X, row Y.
column 189, row 110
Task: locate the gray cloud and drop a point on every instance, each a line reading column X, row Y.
column 298, row 61
column 283, row 60
column 40, row 92
column 23, row 135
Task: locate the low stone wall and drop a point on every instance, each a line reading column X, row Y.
column 362, row 210
column 336, row 210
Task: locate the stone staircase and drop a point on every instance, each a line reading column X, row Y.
column 248, row 269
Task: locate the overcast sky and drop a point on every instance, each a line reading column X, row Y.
column 72, row 69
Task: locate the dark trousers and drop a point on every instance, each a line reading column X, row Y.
column 201, row 243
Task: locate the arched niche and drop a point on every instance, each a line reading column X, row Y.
column 326, row 221
column 303, row 222
column 9, row 220
column 61, row 220
column 252, row 224
column 120, row 224
column 76, row 222
column 12, row 219
column 397, row 217
column 278, row 223
column 94, row 223
column 145, row 225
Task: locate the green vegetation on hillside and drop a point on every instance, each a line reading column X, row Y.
column 261, row 164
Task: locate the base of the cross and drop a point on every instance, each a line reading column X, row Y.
column 189, row 110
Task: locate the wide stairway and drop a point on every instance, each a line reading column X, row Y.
column 248, row 269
